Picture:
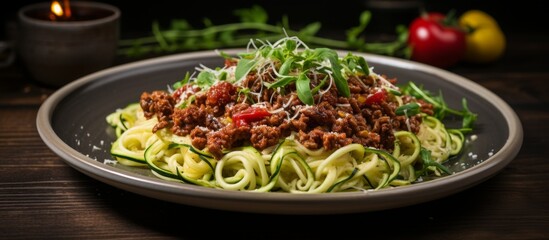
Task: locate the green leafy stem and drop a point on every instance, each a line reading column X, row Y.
column 253, row 24
column 441, row 109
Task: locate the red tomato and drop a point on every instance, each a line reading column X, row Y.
column 435, row 43
column 377, row 97
column 250, row 115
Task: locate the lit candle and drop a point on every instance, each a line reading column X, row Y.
column 58, row 43
column 60, row 11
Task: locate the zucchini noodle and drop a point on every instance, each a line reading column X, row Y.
column 288, row 164
column 288, row 167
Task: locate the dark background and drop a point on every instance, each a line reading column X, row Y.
column 136, row 18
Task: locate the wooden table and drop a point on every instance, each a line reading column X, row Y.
column 42, row 197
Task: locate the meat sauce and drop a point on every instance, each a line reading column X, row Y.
column 223, row 117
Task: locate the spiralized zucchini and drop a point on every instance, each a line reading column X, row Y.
column 287, row 167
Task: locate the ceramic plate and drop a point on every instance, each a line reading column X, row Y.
column 72, row 123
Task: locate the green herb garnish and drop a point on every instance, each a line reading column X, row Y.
column 441, row 109
column 181, row 36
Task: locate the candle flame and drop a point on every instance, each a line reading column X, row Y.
column 56, row 8
column 60, row 11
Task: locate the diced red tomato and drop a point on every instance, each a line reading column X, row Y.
column 250, row 115
column 377, row 97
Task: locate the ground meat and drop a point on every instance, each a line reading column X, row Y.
column 354, row 105
column 329, row 97
column 226, row 138
column 426, row 107
column 198, row 137
column 355, row 86
column 332, row 122
column 332, row 140
column 367, row 138
column 184, row 92
column 321, row 115
column 407, row 123
column 312, row 139
column 387, row 137
column 255, row 82
column 184, row 120
column 341, row 126
column 301, row 123
column 158, row 103
column 239, row 107
column 264, row 136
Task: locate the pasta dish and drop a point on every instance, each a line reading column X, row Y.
column 283, row 117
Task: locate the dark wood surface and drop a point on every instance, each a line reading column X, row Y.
column 42, row 197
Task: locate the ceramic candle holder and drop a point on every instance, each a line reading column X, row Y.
column 58, row 52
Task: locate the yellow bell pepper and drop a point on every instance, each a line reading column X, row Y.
column 485, row 40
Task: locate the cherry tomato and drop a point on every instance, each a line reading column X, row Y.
column 435, row 43
column 249, row 115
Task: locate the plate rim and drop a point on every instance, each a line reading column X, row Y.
column 282, row 203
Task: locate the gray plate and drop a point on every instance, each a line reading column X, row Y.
column 72, row 123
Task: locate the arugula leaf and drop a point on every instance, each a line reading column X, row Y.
column 440, row 106
column 243, row 68
column 303, row 88
column 283, row 81
column 427, row 161
column 355, row 62
column 469, row 117
column 363, row 65
column 340, row 81
column 408, row 109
